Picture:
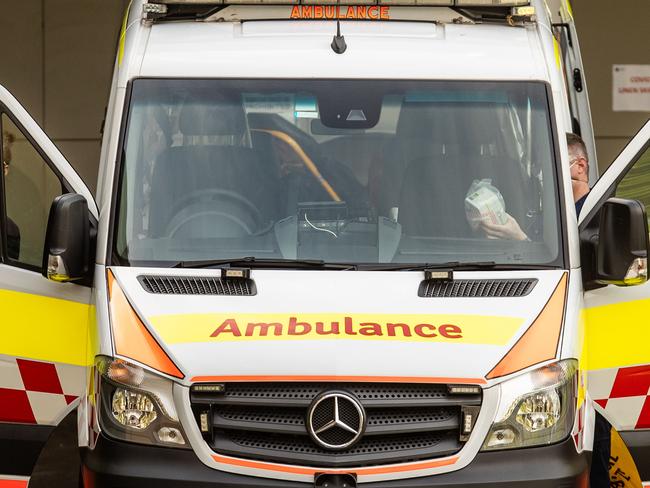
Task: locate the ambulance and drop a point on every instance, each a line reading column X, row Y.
column 333, row 244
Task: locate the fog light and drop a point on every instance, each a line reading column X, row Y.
column 501, row 437
column 133, row 409
column 170, row 435
column 539, row 411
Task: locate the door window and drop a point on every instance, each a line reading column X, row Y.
column 30, row 185
column 636, row 183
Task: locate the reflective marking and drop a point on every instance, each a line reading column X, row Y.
column 132, row 339
column 458, row 329
column 312, row 471
column 120, row 53
column 558, row 56
column 13, row 481
column 617, row 335
column 351, row 379
column 540, row 342
column 569, row 8
column 43, row 328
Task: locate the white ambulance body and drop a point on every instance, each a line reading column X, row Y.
column 328, row 259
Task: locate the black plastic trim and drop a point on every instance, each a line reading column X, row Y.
column 638, row 442
column 299, row 429
column 485, row 288
column 112, row 258
column 197, row 285
column 20, row 446
column 265, row 421
column 562, row 220
column 276, row 396
column 302, row 451
column 114, row 463
column 387, row 403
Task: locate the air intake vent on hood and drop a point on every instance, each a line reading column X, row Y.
column 197, row 285
column 476, row 288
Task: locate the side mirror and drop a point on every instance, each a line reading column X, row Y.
column 67, row 241
column 623, row 243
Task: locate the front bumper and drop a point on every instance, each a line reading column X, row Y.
column 117, row 464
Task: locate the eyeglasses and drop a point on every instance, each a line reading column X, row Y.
column 574, row 161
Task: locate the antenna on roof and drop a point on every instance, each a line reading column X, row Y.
column 338, row 43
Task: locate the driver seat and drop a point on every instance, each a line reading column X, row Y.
column 213, row 185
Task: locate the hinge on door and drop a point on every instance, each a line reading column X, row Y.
column 577, row 80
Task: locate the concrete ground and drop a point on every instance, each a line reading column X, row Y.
column 58, row 465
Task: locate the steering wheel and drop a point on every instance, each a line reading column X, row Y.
column 227, row 208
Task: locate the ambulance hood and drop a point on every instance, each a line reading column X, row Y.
column 307, row 324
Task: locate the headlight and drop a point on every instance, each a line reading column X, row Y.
column 137, row 405
column 536, row 408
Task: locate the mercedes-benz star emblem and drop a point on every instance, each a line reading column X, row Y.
column 336, row 420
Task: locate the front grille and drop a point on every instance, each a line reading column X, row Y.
column 267, row 422
column 476, row 288
column 196, row 285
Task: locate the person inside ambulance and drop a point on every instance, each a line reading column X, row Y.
column 579, row 167
column 485, row 209
column 500, row 225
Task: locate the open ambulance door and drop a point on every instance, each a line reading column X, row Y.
column 566, row 35
column 44, row 325
column 617, row 318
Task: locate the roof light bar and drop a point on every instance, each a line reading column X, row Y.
column 337, row 2
column 490, row 3
column 154, row 10
column 410, row 3
column 160, row 6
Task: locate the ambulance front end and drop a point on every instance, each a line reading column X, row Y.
column 336, row 269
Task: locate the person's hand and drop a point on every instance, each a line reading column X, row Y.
column 510, row 230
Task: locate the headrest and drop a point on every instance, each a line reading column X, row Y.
column 212, row 118
column 415, row 120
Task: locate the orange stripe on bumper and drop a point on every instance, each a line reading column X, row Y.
column 359, row 379
column 13, row 483
column 312, row 471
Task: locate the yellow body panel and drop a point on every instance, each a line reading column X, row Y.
column 617, row 335
column 44, row 329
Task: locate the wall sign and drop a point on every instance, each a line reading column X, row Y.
column 631, row 83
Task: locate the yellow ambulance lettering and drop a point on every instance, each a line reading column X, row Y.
column 356, row 12
column 462, row 329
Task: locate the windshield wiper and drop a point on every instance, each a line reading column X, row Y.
column 253, row 262
column 455, row 266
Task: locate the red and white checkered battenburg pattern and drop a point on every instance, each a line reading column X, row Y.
column 35, row 392
column 624, row 394
column 579, row 431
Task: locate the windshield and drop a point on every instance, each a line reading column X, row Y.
column 344, row 171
